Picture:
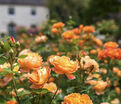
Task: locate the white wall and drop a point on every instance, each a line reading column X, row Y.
column 22, row 16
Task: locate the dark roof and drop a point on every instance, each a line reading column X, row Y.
column 23, row 2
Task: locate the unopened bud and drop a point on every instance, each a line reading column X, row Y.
column 1, row 44
column 11, row 52
column 12, row 39
column 17, row 44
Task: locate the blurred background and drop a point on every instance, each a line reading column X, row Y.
column 32, row 14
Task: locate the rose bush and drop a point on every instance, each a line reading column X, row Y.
column 62, row 65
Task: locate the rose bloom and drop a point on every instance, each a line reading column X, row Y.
column 88, row 64
column 31, row 61
column 110, row 45
column 39, row 77
column 68, row 35
column 58, row 25
column 55, row 30
column 88, row 29
column 39, row 39
column 118, row 90
column 81, row 27
column 63, row 65
column 98, row 41
column 76, row 31
column 76, row 98
column 11, row 102
column 99, row 86
column 93, row 52
column 115, row 101
column 51, row 87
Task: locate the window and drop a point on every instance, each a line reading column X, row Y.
column 11, row 11
column 33, row 26
column 11, row 29
column 33, row 12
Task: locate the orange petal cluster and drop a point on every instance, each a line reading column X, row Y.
column 111, row 51
column 76, row 31
column 88, row 29
column 57, row 27
column 68, row 34
column 63, row 65
column 88, row 64
column 31, row 61
column 51, row 87
column 76, row 98
column 99, row 86
column 39, row 77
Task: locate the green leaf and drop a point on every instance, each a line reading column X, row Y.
column 22, row 93
column 42, row 91
column 2, row 60
column 70, row 90
column 5, row 72
column 22, row 56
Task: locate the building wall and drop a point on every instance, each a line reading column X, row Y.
column 22, row 16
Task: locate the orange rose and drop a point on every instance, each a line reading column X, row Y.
column 76, row 98
column 118, row 90
column 32, row 61
column 51, row 87
column 110, row 45
column 88, row 29
column 93, row 52
column 58, row 25
column 63, row 65
column 68, row 35
column 76, row 31
column 11, row 102
column 81, row 27
column 55, row 30
column 99, row 86
column 98, row 41
column 39, row 77
column 88, row 64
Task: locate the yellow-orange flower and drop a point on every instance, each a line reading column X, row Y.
column 11, row 102
column 81, row 27
column 76, row 98
column 93, row 52
column 51, row 87
column 110, row 45
column 99, row 86
column 76, row 31
column 55, row 30
column 42, row 38
column 63, row 65
column 58, row 25
column 88, row 29
column 39, row 77
column 89, row 64
column 68, row 35
column 98, row 41
column 31, row 61
column 118, row 90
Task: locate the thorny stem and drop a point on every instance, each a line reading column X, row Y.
column 13, row 82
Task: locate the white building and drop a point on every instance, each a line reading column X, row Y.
column 28, row 13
